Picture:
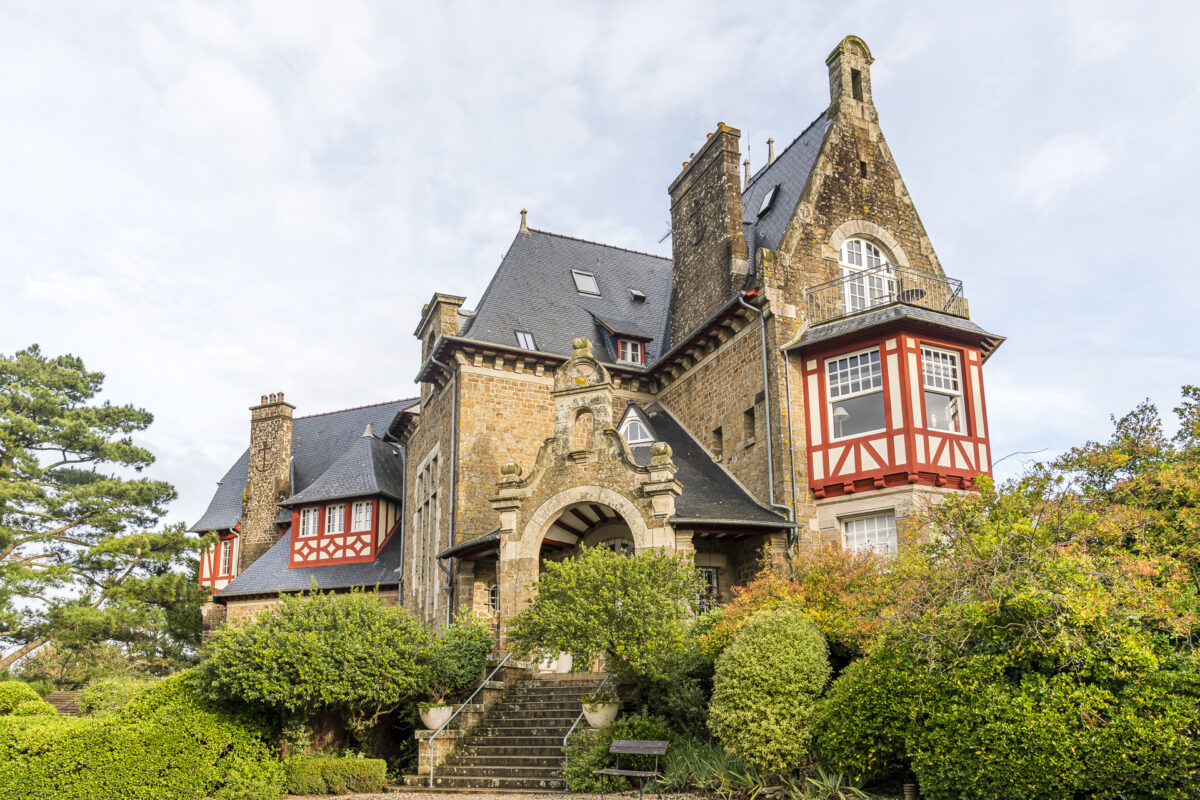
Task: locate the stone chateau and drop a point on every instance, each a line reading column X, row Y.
column 801, row 372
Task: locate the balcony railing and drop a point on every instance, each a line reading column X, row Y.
column 870, row 289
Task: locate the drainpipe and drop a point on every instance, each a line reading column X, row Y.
column 762, row 331
column 403, row 526
column 787, row 393
column 449, row 568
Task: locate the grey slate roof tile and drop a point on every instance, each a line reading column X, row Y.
column 368, row 467
column 270, row 573
column 317, row 441
column 789, row 171
column 896, row 312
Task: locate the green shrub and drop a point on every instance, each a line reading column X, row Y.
column 34, row 708
column 302, row 775
column 587, row 751
column 319, row 774
column 13, row 693
column 767, row 680
column 167, row 744
column 458, row 658
column 711, row 770
column 107, row 695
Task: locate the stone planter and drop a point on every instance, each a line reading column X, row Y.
column 600, row 714
column 436, row 717
column 561, row 664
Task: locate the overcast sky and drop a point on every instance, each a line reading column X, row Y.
column 211, row 201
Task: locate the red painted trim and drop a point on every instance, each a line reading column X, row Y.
column 322, row 539
column 212, row 556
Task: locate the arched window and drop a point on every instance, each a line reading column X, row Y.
column 866, row 276
column 635, row 431
column 619, row 545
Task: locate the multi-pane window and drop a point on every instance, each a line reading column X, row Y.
column 493, row 596
column 636, row 432
column 867, row 281
column 877, row 533
column 308, row 522
column 426, row 527
column 629, row 351
column 711, row 592
column 361, row 516
column 943, row 390
column 525, row 339
column 585, row 282
column 226, row 557
column 855, row 394
column 335, row 518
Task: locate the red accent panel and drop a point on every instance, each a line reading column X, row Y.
column 348, row 547
column 212, row 557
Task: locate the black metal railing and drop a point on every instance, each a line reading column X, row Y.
column 870, row 289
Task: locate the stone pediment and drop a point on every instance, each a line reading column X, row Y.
column 581, row 372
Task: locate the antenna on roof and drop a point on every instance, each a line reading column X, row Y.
column 666, row 235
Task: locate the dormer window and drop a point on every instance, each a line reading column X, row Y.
column 525, row 339
column 768, row 200
column 630, row 351
column 867, row 277
column 638, row 296
column 585, row 282
column 335, row 518
column 635, row 431
column 308, row 522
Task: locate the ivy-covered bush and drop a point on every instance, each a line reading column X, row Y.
column 458, row 657
column 334, row 775
column 587, row 751
column 169, row 743
column 13, row 693
column 106, row 695
column 34, row 708
column 766, row 683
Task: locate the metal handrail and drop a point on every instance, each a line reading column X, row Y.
column 467, row 702
column 885, row 285
column 572, row 730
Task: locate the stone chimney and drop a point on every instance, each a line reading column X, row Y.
column 269, row 479
column 770, row 151
column 850, row 78
column 709, row 248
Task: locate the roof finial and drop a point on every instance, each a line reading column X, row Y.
column 524, row 226
column 746, row 164
column 368, row 433
column 770, row 151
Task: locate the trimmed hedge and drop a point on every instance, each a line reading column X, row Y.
column 13, row 693
column 107, row 695
column 587, row 751
column 767, row 680
column 325, row 774
column 34, row 708
column 167, row 744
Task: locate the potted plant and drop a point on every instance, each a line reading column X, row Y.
column 600, row 708
column 435, row 713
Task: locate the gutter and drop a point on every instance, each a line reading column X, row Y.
column 449, row 569
column 787, row 393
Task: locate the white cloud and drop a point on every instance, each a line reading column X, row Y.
column 1058, row 166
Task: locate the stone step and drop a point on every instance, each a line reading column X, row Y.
column 487, row 771
column 551, row 740
column 476, row 760
column 540, row 701
column 498, row 751
column 477, row 782
column 525, row 717
column 520, row 732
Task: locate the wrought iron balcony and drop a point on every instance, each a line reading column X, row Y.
column 871, row 289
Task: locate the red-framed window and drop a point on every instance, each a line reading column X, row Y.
column 631, row 351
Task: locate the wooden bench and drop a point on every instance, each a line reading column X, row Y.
column 632, row 747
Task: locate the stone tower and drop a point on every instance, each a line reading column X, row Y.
column 269, row 480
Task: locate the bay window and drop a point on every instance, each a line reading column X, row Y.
column 943, row 390
column 855, row 394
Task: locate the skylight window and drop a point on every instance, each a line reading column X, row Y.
column 639, row 297
column 525, row 339
column 585, row 282
column 768, row 200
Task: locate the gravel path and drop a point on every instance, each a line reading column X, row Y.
column 483, row 794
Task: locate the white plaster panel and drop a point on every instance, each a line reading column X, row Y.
column 914, row 385
column 814, row 410
column 895, row 391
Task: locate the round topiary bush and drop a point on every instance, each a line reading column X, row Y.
column 766, row 683
column 13, row 693
column 34, row 708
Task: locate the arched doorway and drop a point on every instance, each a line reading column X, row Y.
column 586, row 524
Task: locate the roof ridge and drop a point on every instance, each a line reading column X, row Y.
column 765, row 167
column 357, row 408
column 600, row 244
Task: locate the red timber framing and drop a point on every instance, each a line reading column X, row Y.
column 348, row 546
column 213, row 571
column 906, row 451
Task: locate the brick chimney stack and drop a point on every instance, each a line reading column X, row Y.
column 269, row 478
column 709, row 248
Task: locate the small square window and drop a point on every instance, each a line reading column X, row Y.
column 768, row 200
column 525, row 339
column 638, row 297
column 585, row 282
column 629, row 351
column 876, row 534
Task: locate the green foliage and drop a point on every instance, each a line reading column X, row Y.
column 828, row 786
column 630, row 610
column 711, row 770
column 587, row 751
column 80, row 561
column 34, row 708
column 766, row 683
column 13, row 693
column 168, row 743
column 108, row 695
column 325, row 651
column 333, row 775
column 681, row 689
column 458, row 658
column 70, row 665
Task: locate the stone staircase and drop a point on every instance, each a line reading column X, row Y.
column 518, row 743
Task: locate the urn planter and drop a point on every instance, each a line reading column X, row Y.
column 600, row 714
column 436, row 716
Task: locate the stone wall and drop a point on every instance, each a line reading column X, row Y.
column 245, row 610
column 269, row 477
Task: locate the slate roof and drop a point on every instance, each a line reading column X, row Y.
column 368, row 467
column 270, row 573
column 317, row 441
column 845, row 326
column 789, row 171
column 533, row 290
column 709, row 493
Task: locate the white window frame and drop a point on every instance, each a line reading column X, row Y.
column 861, row 291
column 225, row 564
column 628, row 428
column 360, row 516
column 937, row 381
column 631, row 351
column 856, row 540
column 525, row 340
column 309, row 522
column 831, row 400
column 576, row 274
column 339, row 517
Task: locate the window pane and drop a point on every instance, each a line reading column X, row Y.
column 335, row 519
column 856, row 415
column 585, row 282
column 871, row 533
column 525, row 339
column 943, row 412
column 860, row 372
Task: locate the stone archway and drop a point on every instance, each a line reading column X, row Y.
column 553, row 508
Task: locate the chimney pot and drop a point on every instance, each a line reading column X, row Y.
column 709, row 136
column 281, row 397
column 524, row 225
column 770, row 151
column 264, row 400
column 685, row 164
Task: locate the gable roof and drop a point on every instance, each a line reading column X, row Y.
column 317, row 441
column 369, row 466
column 270, row 573
column 533, row 291
column 789, row 171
